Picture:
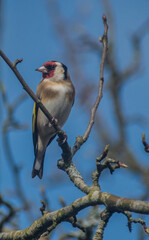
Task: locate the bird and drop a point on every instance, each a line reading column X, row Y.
column 57, row 94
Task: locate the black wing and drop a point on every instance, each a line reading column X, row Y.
column 34, row 128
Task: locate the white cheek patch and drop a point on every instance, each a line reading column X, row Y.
column 58, row 74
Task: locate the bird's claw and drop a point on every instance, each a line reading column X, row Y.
column 62, row 141
column 53, row 121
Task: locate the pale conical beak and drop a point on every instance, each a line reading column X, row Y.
column 42, row 69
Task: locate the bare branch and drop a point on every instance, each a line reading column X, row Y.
column 50, row 220
column 96, row 173
column 81, row 140
column 68, row 166
column 17, row 61
column 146, row 145
column 105, row 216
column 109, row 163
column 132, row 220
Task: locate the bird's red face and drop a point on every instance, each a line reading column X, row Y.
column 47, row 69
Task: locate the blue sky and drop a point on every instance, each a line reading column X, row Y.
column 29, row 33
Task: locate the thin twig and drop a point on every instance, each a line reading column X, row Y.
column 133, row 220
column 96, row 173
column 109, row 163
column 42, row 209
column 146, row 145
column 81, row 140
column 44, row 197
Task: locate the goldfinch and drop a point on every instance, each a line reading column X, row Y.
column 57, row 93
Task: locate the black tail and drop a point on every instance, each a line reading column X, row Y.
column 38, row 173
column 38, row 167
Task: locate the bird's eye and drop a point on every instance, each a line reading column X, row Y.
column 50, row 67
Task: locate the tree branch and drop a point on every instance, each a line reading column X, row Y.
column 68, row 166
column 105, row 216
column 65, row 147
column 82, row 139
column 146, row 145
column 52, row 219
column 132, row 220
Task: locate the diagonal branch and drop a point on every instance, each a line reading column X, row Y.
column 65, row 147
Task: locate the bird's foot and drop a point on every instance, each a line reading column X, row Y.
column 62, row 141
column 53, row 121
